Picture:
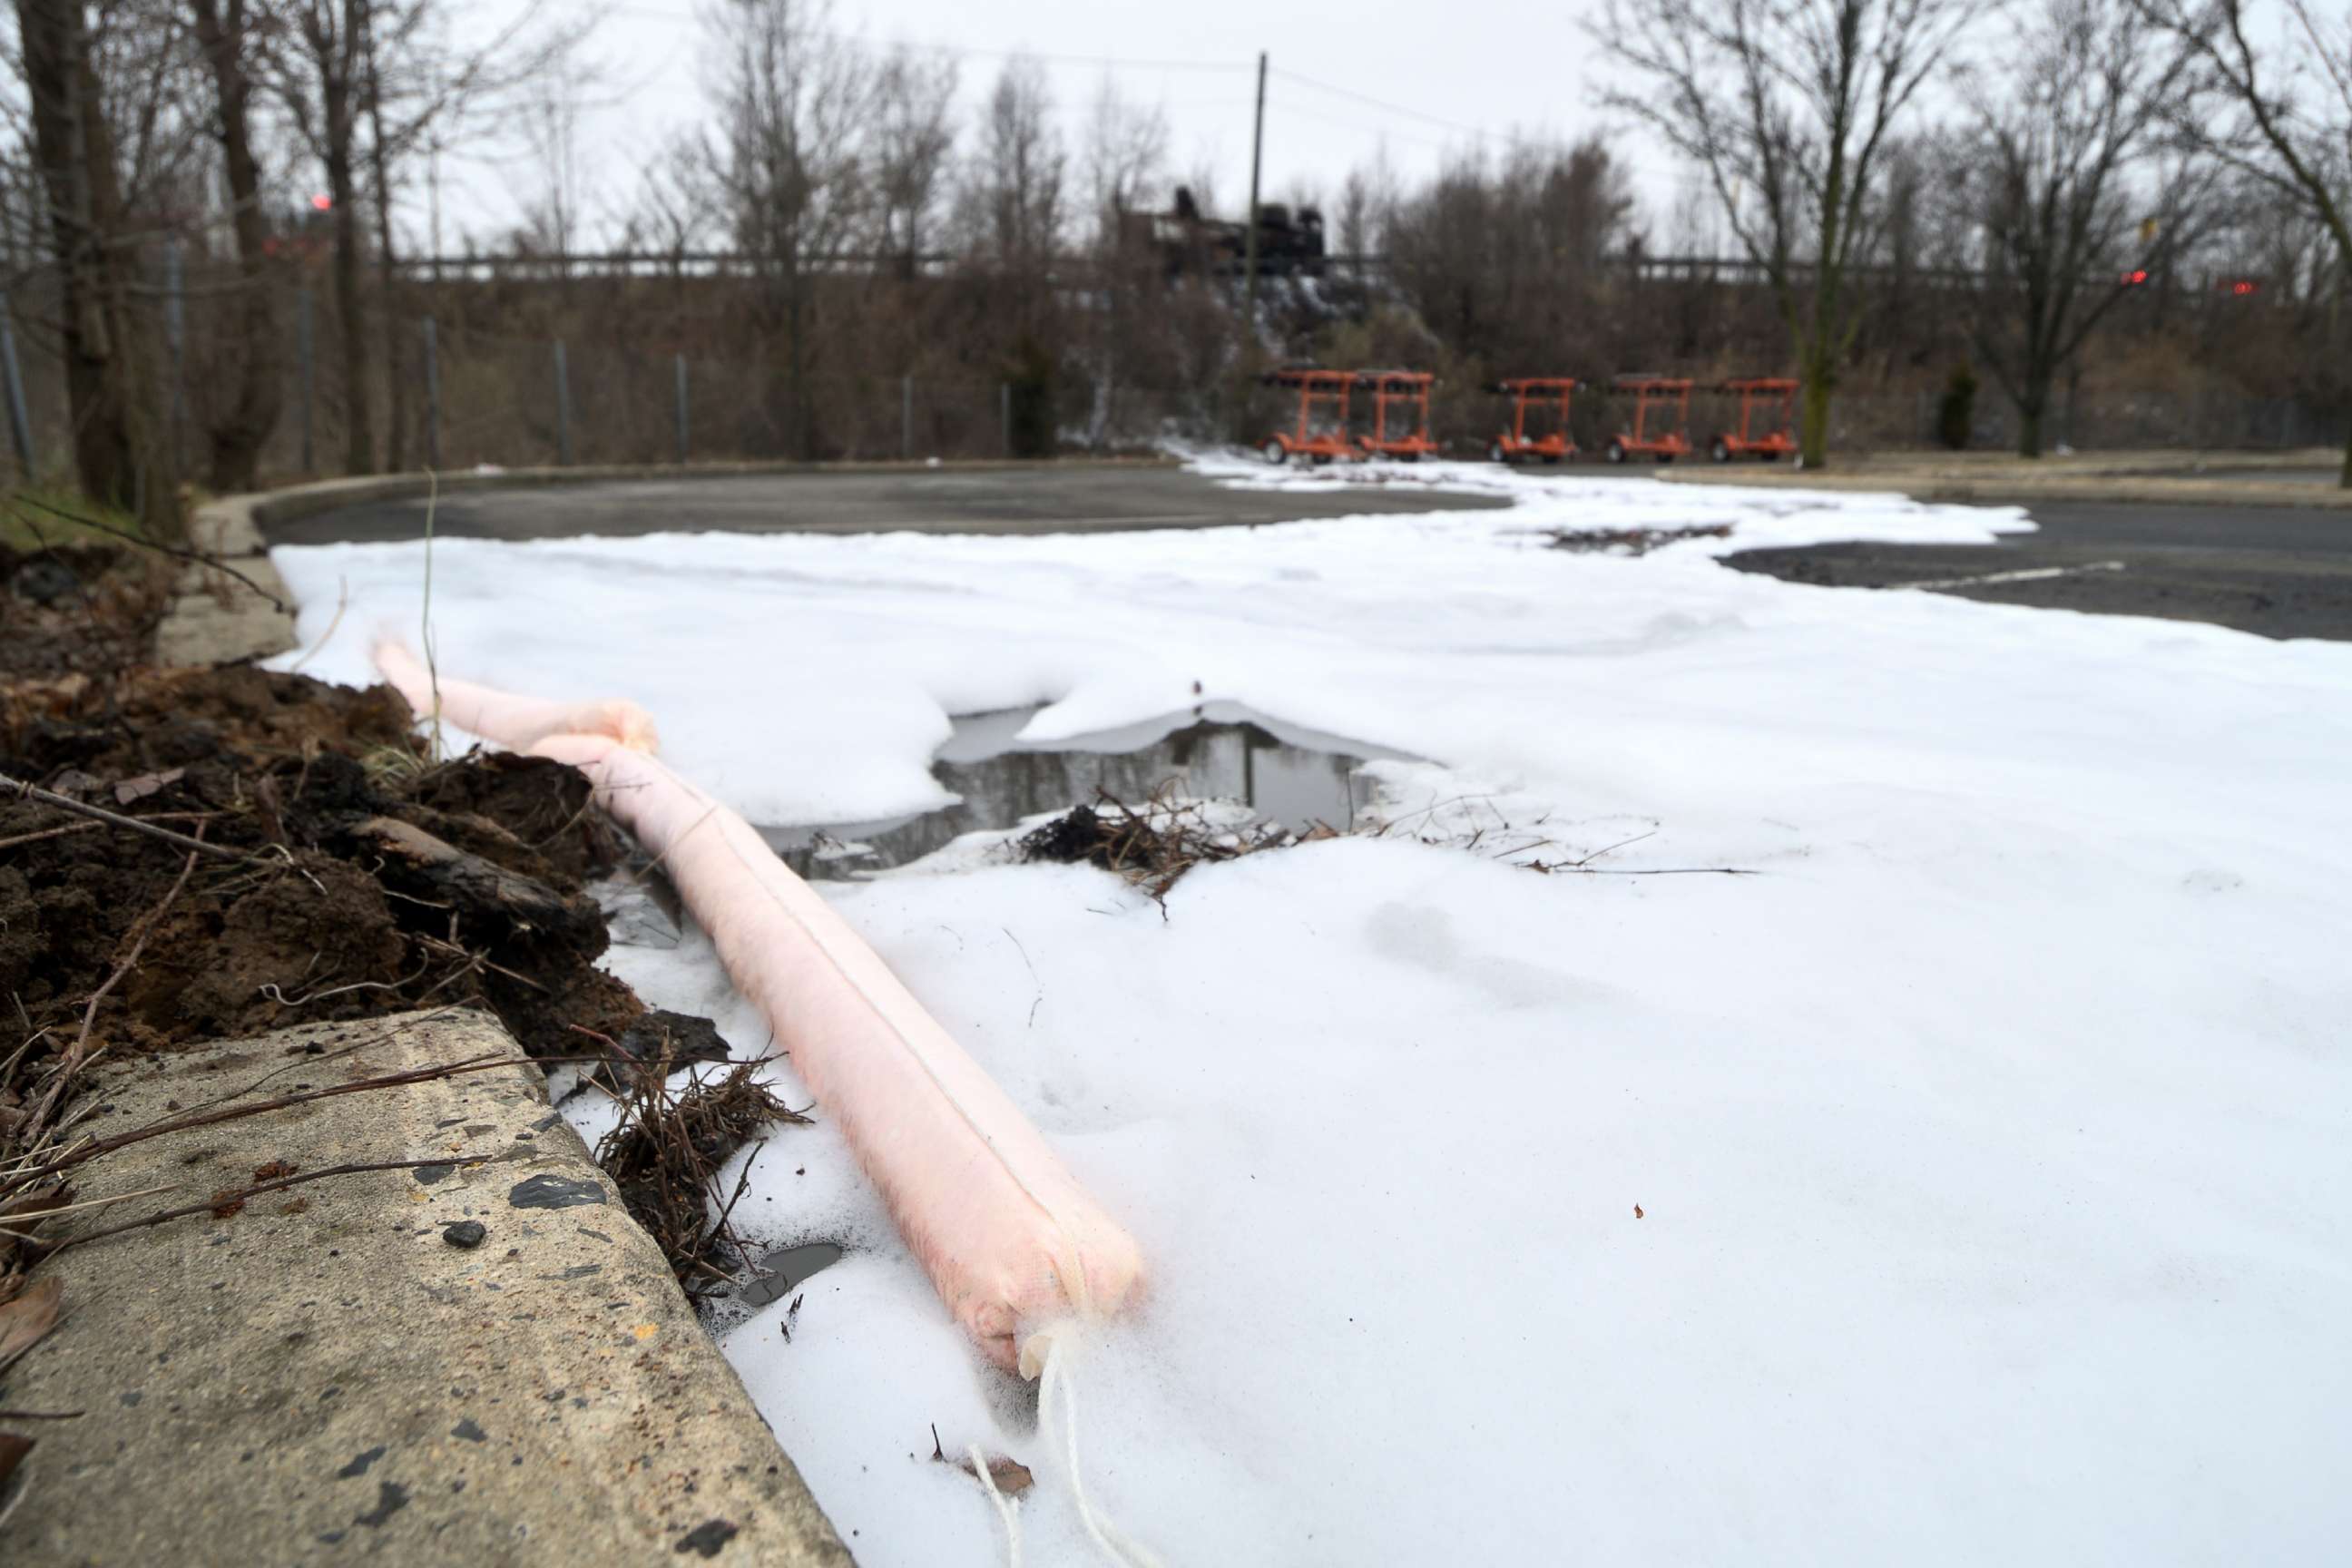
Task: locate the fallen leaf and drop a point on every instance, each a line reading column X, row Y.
column 13, row 1450
column 1637, row 1211
column 227, row 1204
column 1010, row 1476
column 146, row 784
column 646, row 1331
column 31, row 1315
column 272, row 1171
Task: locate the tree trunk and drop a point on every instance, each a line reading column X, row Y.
column 797, row 388
column 351, row 320
column 2030, row 409
column 76, row 164
column 2345, row 482
column 1813, row 410
column 237, row 439
column 396, row 441
column 396, row 428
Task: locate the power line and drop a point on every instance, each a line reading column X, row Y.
column 1386, row 107
column 959, row 51
column 1336, row 122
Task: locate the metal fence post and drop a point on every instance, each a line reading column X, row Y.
column 562, row 409
column 307, row 360
column 906, row 417
column 682, row 427
column 175, row 342
column 432, row 395
column 20, row 423
column 1004, row 414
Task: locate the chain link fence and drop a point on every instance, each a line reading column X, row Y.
column 455, row 383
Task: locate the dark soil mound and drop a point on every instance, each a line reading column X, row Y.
column 365, row 879
column 78, row 607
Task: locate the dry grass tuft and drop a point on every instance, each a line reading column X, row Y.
column 667, row 1151
column 1151, row 845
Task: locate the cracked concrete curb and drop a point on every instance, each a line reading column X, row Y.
column 214, row 618
column 323, row 1375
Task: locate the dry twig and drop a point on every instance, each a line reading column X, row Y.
column 116, row 819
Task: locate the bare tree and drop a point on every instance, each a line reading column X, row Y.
column 1504, row 256
column 1014, row 193
column 2291, row 123
column 2065, row 121
column 226, row 32
column 1788, row 106
column 1126, row 150
column 1123, row 157
column 320, row 79
column 914, row 139
column 788, row 160
column 675, row 209
column 365, row 83
column 80, row 186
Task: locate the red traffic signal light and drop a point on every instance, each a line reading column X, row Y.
column 322, row 204
column 2241, row 287
column 2136, row 277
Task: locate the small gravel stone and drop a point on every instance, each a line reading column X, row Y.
column 466, row 1232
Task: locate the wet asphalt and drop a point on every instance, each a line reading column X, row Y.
column 1045, row 499
column 2279, row 572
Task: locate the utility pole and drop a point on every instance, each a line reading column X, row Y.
column 562, row 408
column 1249, row 219
column 175, row 346
column 304, row 354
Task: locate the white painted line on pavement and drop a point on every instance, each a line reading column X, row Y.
column 2032, row 574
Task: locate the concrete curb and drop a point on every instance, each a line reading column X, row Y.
column 322, row 1374
column 215, row 617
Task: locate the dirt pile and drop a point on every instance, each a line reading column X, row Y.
column 345, row 873
column 78, row 607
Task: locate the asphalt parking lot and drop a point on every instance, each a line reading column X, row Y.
column 1045, row 498
column 2280, row 572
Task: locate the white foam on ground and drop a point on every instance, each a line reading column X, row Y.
column 1990, row 1143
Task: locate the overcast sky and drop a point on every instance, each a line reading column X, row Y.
column 1427, row 78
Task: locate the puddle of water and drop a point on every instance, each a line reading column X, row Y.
column 785, row 1270
column 1285, row 772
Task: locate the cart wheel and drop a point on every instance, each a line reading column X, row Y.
column 1720, row 451
column 1321, row 459
column 1616, row 450
column 1770, row 456
column 1665, row 456
column 1551, row 460
column 1276, row 452
column 1495, row 453
column 1411, row 457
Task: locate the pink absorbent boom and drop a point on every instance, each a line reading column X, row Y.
column 1012, row 1242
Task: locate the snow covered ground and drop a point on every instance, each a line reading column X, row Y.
column 1991, row 1145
